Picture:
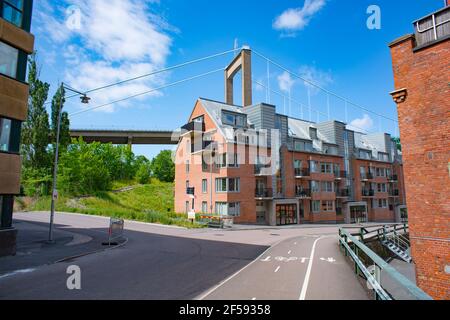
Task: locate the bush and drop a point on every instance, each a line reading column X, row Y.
column 143, row 174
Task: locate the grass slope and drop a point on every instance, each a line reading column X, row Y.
column 151, row 203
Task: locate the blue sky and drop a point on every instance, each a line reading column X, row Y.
column 90, row 43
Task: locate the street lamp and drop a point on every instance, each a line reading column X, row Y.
column 85, row 100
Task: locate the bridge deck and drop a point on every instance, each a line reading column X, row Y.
column 128, row 137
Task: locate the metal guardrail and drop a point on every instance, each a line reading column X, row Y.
column 352, row 247
column 434, row 27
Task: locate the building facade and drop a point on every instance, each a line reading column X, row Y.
column 16, row 43
column 266, row 168
column 421, row 64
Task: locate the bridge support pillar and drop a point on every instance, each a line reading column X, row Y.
column 130, row 143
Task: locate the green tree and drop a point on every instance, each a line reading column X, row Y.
column 163, row 167
column 398, row 143
column 144, row 173
column 64, row 136
column 36, row 129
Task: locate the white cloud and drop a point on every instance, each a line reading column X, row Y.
column 296, row 19
column 316, row 76
column 364, row 124
column 117, row 40
column 285, row 82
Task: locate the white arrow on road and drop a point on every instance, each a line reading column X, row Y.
column 330, row 260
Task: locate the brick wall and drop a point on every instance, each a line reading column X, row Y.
column 425, row 132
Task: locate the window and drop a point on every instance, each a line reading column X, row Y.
column 9, row 135
column 314, row 165
column 328, row 206
column 5, row 134
column 235, row 120
column 327, row 186
column 188, row 167
column 297, row 164
column 313, row 133
column 326, row 168
column 364, row 154
column 303, row 146
column 382, row 187
column 362, row 172
column 333, row 150
column 383, row 157
column 12, row 11
column 228, row 161
column 187, row 207
column 205, row 186
column 204, row 207
column 204, row 165
column 200, row 119
column 9, row 57
column 234, row 185
column 234, row 209
column 315, row 206
column 228, row 185
column 228, row 209
column 315, row 186
column 382, row 203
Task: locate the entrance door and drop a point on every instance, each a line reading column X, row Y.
column 286, row 214
column 358, row 214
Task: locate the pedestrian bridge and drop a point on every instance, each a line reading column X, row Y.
column 126, row 137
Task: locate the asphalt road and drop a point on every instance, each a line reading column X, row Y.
column 171, row 263
column 301, row 268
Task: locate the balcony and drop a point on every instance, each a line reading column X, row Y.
column 367, row 176
column 339, row 175
column 432, row 28
column 302, row 173
column 394, row 193
column 393, row 178
column 368, row 193
column 204, row 146
column 193, row 128
column 302, row 193
column 260, row 170
column 343, row 193
column 264, row 193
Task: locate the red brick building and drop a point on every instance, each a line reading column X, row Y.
column 421, row 64
column 266, row 168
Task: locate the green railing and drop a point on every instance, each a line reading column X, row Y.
column 353, row 247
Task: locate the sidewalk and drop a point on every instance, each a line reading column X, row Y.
column 33, row 250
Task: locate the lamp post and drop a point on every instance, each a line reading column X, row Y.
column 85, row 100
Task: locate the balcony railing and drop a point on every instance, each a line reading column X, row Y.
column 194, row 127
column 343, row 193
column 302, row 172
column 367, row 176
column 368, row 193
column 260, row 169
column 394, row 193
column 264, row 193
column 302, row 193
column 203, row 146
column 340, row 174
column 393, row 178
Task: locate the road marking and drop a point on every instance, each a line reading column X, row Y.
column 308, row 272
column 266, row 259
column 289, row 252
column 17, row 272
column 295, row 243
column 203, row 296
column 278, row 269
column 330, row 260
column 253, row 299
